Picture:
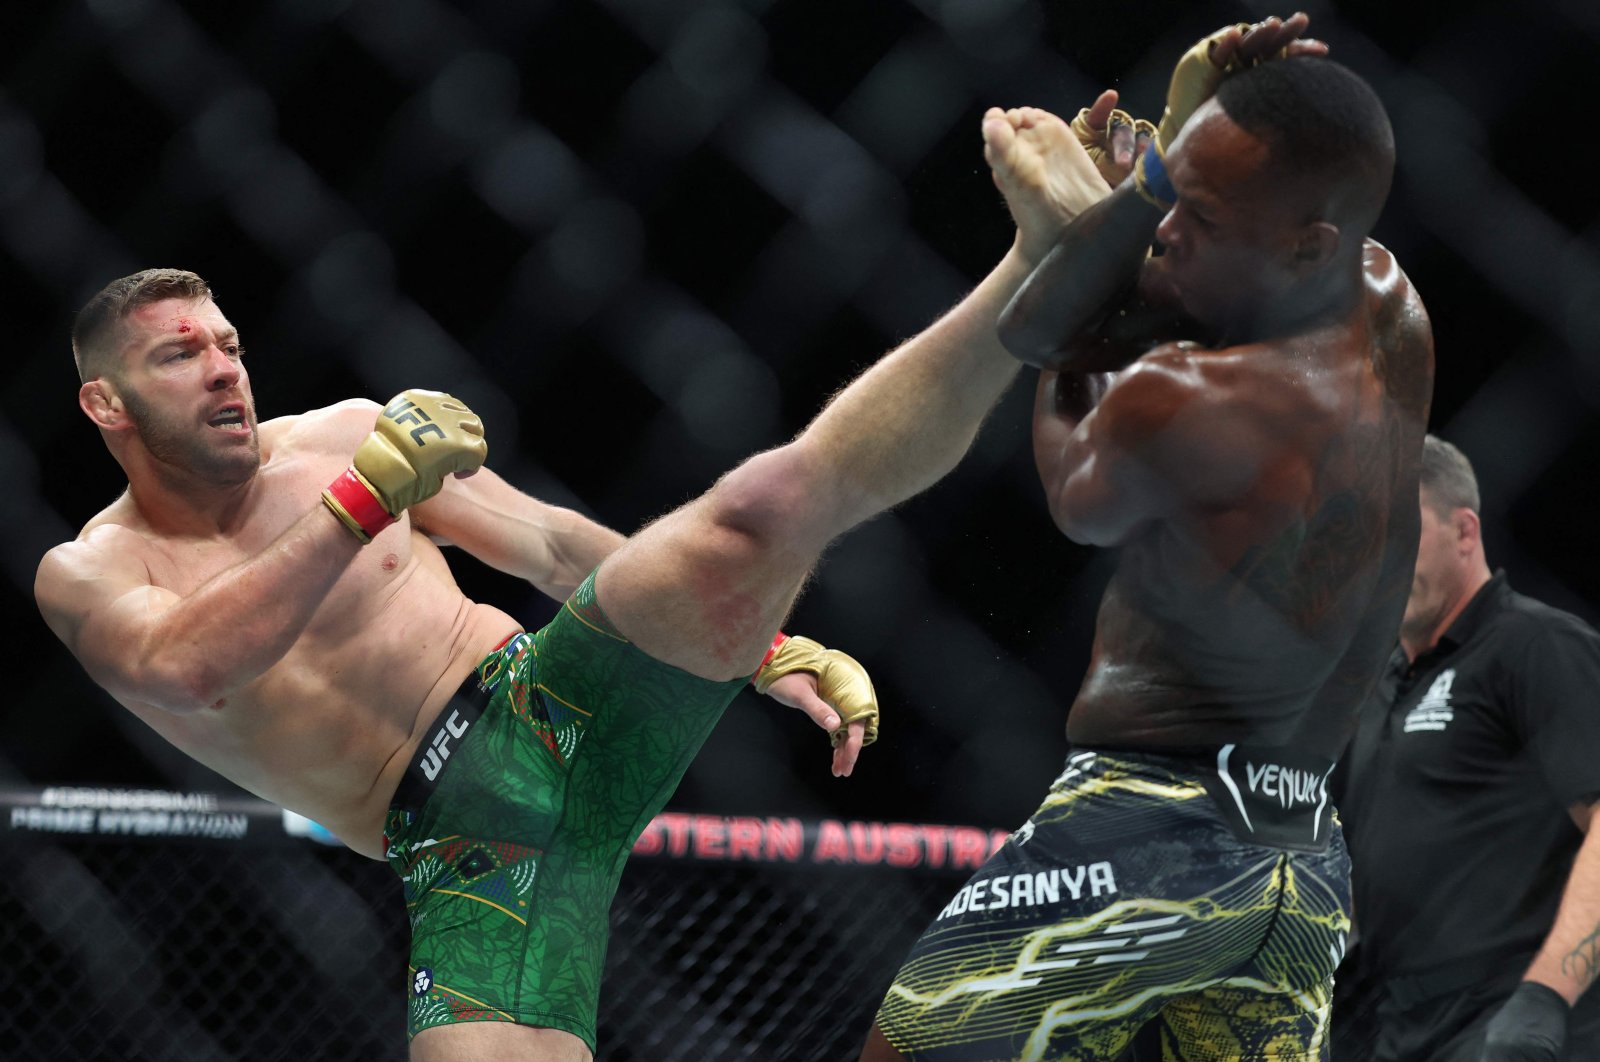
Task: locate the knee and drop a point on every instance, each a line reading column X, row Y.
column 771, row 498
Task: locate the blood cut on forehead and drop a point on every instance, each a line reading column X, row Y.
column 167, row 319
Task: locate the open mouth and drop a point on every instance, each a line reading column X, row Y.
column 230, row 419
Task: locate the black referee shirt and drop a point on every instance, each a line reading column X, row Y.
column 1458, row 782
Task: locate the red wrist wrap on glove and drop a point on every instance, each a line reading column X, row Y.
column 772, row 651
column 363, row 513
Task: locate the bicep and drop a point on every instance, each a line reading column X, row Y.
column 1100, row 494
column 1112, row 471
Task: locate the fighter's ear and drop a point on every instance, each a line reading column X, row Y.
column 100, row 402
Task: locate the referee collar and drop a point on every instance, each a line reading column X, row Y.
column 1471, row 620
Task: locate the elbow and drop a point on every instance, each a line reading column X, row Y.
column 1023, row 340
column 1075, row 530
column 178, row 690
column 1055, row 351
column 187, row 698
column 1087, row 534
column 1083, row 526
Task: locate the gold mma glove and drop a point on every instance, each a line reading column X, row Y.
column 420, row 437
column 1097, row 142
column 841, row 681
column 1194, row 80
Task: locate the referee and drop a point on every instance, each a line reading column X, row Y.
column 1466, row 795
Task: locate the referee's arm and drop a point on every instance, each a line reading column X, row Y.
column 1552, row 706
column 1570, row 958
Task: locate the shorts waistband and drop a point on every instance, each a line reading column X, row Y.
column 449, row 728
column 1269, row 795
column 1179, row 759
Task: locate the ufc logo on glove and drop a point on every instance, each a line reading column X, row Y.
column 406, row 411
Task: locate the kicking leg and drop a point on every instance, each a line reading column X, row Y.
column 706, row 587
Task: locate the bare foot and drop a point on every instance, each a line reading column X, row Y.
column 1044, row 173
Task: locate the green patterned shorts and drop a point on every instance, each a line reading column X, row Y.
column 512, row 825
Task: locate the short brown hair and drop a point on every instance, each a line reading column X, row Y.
column 1447, row 476
column 93, row 327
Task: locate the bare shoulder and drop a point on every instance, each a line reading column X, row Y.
column 1195, row 367
column 114, row 530
column 1390, row 290
column 336, row 429
column 1401, row 334
column 1193, row 415
column 106, row 558
column 1157, row 391
column 1379, row 263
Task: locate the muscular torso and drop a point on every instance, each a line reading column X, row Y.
column 328, row 730
column 1265, row 619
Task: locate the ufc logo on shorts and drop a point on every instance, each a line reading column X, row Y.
column 439, row 748
column 406, row 411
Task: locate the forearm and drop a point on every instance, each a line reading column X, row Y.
column 576, row 546
column 513, row 532
column 550, row 547
column 1094, row 263
column 239, row 623
column 1570, row 958
column 907, row 421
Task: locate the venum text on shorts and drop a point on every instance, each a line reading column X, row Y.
column 1288, row 786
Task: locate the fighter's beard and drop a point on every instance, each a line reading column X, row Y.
column 180, row 447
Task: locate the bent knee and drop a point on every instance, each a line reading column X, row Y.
column 775, row 497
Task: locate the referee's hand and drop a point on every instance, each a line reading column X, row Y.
column 1531, row 1026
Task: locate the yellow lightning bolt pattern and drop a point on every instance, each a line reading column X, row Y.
column 1238, row 970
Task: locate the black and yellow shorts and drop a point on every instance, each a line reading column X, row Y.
column 1141, row 890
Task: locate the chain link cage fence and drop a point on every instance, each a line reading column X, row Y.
column 182, row 927
column 711, row 213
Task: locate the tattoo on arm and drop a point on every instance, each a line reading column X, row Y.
column 1582, row 962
